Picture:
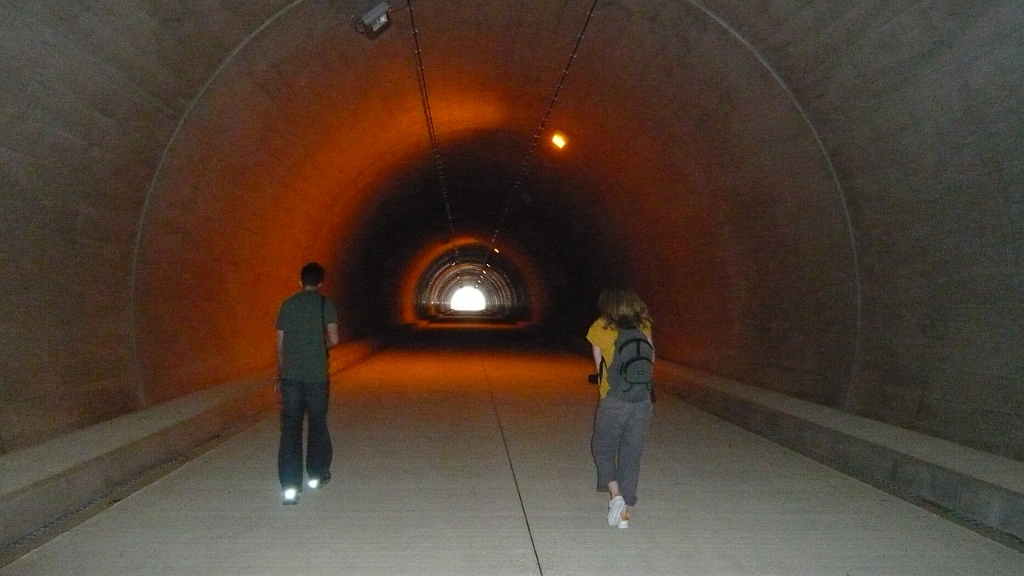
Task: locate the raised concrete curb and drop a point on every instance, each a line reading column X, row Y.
column 44, row 483
column 57, row 478
column 972, row 486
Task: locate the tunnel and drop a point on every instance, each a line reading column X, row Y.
column 817, row 199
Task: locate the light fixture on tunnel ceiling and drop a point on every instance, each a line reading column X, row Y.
column 375, row 22
column 559, row 140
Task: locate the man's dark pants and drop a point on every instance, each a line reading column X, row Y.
column 300, row 401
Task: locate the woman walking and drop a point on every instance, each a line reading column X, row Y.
column 624, row 357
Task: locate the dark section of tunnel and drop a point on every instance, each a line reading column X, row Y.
column 545, row 218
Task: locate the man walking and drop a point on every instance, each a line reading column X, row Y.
column 307, row 326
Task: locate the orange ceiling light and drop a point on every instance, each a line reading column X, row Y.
column 559, row 140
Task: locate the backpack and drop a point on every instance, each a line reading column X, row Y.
column 631, row 373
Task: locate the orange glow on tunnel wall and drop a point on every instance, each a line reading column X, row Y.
column 277, row 147
column 253, row 186
column 304, row 177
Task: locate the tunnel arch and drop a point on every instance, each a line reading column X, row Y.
column 182, row 160
column 151, row 187
column 474, row 265
column 456, row 115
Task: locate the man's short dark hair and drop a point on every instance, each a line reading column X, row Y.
column 313, row 274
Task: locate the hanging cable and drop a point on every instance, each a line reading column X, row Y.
column 425, row 97
column 531, row 152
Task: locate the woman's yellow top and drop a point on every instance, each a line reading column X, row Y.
column 603, row 334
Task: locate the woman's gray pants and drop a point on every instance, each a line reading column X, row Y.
column 620, row 428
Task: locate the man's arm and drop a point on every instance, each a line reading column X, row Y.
column 332, row 336
column 597, row 357
column 280, row 357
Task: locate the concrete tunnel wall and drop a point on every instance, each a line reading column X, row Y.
column 818, row 198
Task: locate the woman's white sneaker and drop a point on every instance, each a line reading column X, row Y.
column 616, row 511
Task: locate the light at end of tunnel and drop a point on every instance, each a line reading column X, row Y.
column 558, row 140
column 468, row 299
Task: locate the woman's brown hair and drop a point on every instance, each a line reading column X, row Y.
column 623, row 308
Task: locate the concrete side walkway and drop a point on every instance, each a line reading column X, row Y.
column 42, row 484
column 55, row 479
column 479, row 463
column 982, row 490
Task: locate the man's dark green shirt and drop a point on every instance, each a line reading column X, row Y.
column 303, row 317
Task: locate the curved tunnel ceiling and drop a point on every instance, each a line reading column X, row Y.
column 316, row 137
column 753, row 172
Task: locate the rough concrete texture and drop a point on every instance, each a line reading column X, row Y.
column 51, row 481
column 821, row 198
column 478, row 462
column 56, row 479
column 979, row 489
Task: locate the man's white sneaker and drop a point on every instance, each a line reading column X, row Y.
column 291, row 496
column 624, row 523
column 320, row 482
column 616, row 511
